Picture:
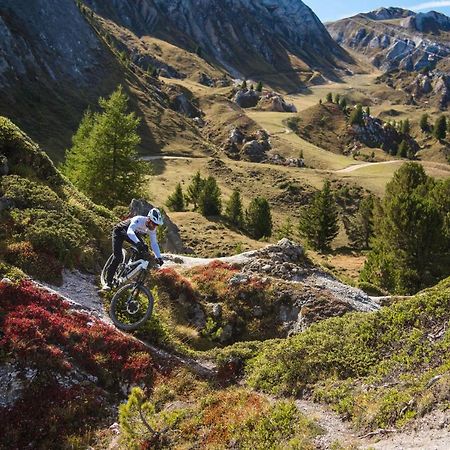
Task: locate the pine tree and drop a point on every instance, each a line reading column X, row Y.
column 403, row 149
column 329, row 97
column 286, row 230
column 343, row 104
column 319, row 222
column 424, row 125
column 259, row 87
column 194, row 190
column 106, row 166
column 405, row 127
column 210, row 203
column 244, row 85
column 175, row 202
column 360, row 227
column 409, row 239
column 440, row 128
column 234, row 211
column 337, row 99
column 367, row 111
column 258, row 218
column 356, row 117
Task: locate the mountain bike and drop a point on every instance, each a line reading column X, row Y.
column 132, row 303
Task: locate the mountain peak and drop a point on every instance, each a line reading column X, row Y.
column 389, row 13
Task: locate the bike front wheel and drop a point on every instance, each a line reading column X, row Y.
column 131, row 306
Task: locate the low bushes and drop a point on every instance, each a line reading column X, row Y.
column 349, row 361
column 79, row 365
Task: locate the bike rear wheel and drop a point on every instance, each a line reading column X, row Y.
column 131, row 306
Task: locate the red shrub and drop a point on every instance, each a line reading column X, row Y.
column 39, row 330
column 47, row 414
column 175, row 284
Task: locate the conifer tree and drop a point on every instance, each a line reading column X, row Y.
column 403, row 149
column 337, row 99
column 343, row 103
column 259, row 87
column 329, row 97
column 286, row 230
column 319, row 221
column 244, row 84
column 210, row 203
column 440, row 128
column 405, row 127
column 258, row 218
column 424, row 125
column 368, row 111
column 106, row 166
column 194, row 190
column 360, row 227
column 356, row 117
column 175, row 202
column 234, row 211
column 409, row 240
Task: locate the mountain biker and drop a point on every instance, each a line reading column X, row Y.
column 131, row 230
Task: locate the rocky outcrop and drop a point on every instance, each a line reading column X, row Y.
column 247, row 98
column 275, row 102
column 432, row 87
column 249, row 147
column 260, row 32
column 377, row 133
column 411, row 43
column 276, row 285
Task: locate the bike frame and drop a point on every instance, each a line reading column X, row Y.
column 136, row 266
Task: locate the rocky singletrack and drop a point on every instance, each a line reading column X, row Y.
column 430, row 432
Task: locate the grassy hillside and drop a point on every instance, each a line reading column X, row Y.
column 379, row 369
column 45, row 223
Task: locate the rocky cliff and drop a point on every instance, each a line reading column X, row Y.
column 396, row 38
column 246, row 37
column 54, row 64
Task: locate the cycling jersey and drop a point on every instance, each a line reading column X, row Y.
column 138, row 224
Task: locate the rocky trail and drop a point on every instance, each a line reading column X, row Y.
column 430, row 432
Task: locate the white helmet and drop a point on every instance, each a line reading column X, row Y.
column 155, row 216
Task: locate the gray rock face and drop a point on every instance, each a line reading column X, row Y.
column 226, row 28
column 46, row 38
column 411, row 44
column 247, row 98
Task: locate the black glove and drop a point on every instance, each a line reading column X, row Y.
column 160, row 261
column 142, row 248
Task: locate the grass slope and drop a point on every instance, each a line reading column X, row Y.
column 45, row 222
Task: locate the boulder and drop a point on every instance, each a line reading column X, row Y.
column 205, row 79
column 254, row 151
column 247, row 98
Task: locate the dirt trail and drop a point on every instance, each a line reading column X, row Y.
column 430, row 432
column 81, row 291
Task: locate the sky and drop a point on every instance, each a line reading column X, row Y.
column 338, row 9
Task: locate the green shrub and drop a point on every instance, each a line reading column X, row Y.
column 40, row 265
column 338, row 358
